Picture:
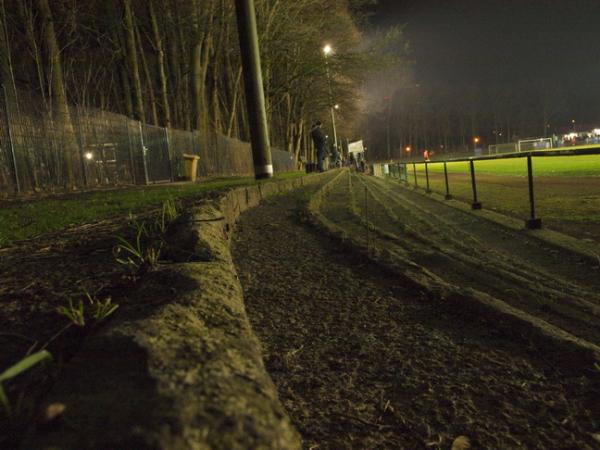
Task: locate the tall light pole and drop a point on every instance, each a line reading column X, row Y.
column 327, row 50
column 387, row 126
column 255, row 97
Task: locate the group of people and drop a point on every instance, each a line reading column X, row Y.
column 320, row 140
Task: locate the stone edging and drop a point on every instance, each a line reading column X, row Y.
column 182, row 373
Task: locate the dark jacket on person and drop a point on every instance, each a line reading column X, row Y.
column 318, row 138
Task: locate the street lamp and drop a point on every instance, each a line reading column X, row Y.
column 328, row 50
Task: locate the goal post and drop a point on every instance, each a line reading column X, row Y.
column 526, row 145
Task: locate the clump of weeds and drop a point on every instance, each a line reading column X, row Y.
column 90, row 312
column 142, row 253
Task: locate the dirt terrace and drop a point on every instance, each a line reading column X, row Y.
column 362, row 361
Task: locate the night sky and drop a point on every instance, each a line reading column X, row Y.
column 487, row 42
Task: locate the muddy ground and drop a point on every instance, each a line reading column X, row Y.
column 39, row 275
column 361, row 361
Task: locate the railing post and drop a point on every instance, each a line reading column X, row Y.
column 11, row 141
column 144, row 151
column 532, row 223
column 406, row 173
column 415, row 173
column 476, row 204
column 427, row 191
column 447, row 196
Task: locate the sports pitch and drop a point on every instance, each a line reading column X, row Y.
column 572, row 166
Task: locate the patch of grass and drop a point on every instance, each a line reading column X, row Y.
column 26, row 219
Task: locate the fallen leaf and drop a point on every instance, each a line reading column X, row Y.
column 53, row 412
column 461, row 443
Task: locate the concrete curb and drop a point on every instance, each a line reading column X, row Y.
column 182, row 373
column 561, row 347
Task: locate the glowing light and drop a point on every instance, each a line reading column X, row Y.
column 407, row 149
column 337, row 106
column 476, row 139
column 89, row 156
column 327, row 50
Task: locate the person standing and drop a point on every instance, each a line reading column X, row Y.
column 319, row 139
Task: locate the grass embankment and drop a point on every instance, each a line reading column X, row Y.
column 25, row 219
column 567, row 188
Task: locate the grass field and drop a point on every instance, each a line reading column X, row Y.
column 567, row 189
column 584, row 165
column 24, row 219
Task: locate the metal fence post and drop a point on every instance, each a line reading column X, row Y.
column 132, row 165
column 532, row 223
column 415, row 173
column 144, row 150
column 11, row 142
column 82, row 147
column 447, row 196
column 169, row 154
column 476, row 204
column 406, row 174
column 428, row 190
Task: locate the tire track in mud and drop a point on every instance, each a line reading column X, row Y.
column 459, row 251
column 361, row 361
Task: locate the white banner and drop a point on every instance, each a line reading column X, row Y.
column 356, row 147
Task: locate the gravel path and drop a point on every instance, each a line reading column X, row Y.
column 362, row 362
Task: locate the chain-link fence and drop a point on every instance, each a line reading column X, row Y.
column 46, row 149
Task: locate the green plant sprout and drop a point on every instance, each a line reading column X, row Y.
column 80, row 315
column 135, row 255
column 168, row 215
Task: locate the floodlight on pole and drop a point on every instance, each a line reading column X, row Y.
column 328, row 50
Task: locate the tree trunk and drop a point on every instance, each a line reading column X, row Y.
column 27, row 18
column 133, row 61
column 59, row 95
column 148, row 77
column 232, row 115
column 161, row 65
column 6, row 67
column 200, row 59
